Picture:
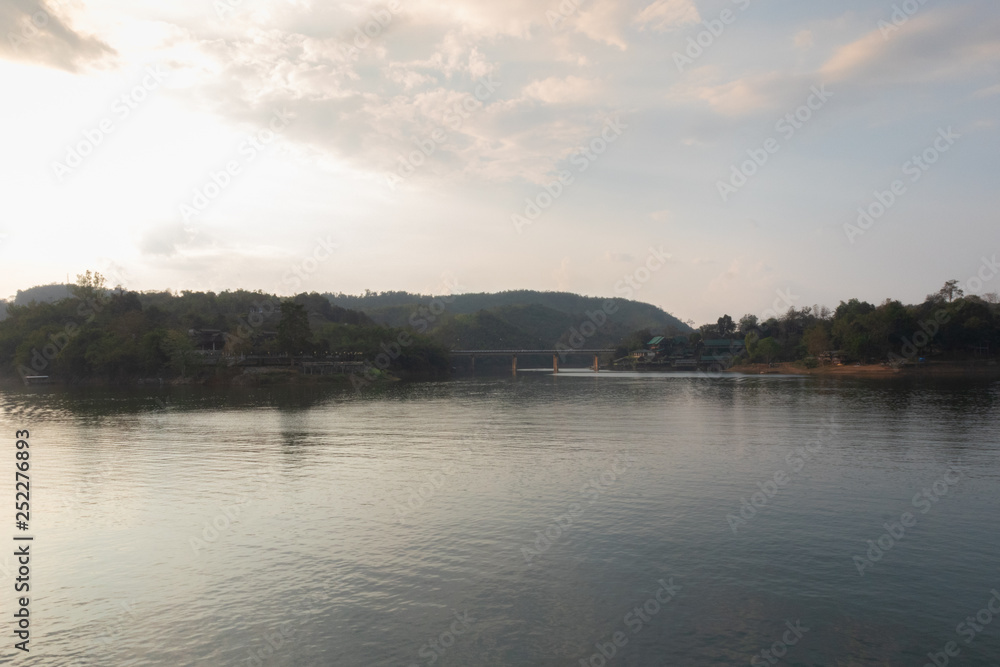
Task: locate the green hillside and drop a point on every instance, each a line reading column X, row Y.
column 514, row 319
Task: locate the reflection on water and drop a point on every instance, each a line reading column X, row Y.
column 501, row 521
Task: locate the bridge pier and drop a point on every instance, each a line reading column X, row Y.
column 513, row 364
column 555, row 363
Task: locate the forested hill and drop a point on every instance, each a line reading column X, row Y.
column 522, row 318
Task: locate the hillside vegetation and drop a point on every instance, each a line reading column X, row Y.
column 514, row 320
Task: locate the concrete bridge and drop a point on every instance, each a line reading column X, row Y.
column 472, row 354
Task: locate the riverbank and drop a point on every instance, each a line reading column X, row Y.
column 937, row 368
column 248, row 377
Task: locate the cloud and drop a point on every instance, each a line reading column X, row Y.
column 603, row 21
column 936, row 45
column 729, row 275
column 36, row 32
column 166, row 240
column 749, row 94
column 933, row 47
column 664, row 15
column 804, row 39
column 555, row 90
column 989, row 91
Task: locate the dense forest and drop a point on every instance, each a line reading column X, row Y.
column 115, row 334
column 91, row 331
column 947, row 326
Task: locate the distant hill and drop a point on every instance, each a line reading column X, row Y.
column 42, row 294
column 517, row 319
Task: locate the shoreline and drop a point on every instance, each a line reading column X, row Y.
column 292, row 377
column 257, row 378
column 941, row 368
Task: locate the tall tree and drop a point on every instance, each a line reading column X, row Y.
column 89, row 286
column 768, row 349
column 816, row 340
column 951, row 291
column 726, row 326
column 748, row 323
column 294, row 335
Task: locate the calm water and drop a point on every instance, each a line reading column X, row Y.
column 512, row 522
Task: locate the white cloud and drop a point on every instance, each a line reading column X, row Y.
column 936, row 45
column 569, row 90
column 603, row 21
column 664, row 15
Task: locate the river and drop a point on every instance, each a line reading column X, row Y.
column 570, row 519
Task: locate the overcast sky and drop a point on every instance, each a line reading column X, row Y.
column 283, row 145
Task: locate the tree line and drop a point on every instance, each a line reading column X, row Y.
column 949, row 325
column 117, row 334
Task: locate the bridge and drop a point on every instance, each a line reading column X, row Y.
column 472, row 354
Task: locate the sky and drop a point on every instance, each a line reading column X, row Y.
column 709, row 157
